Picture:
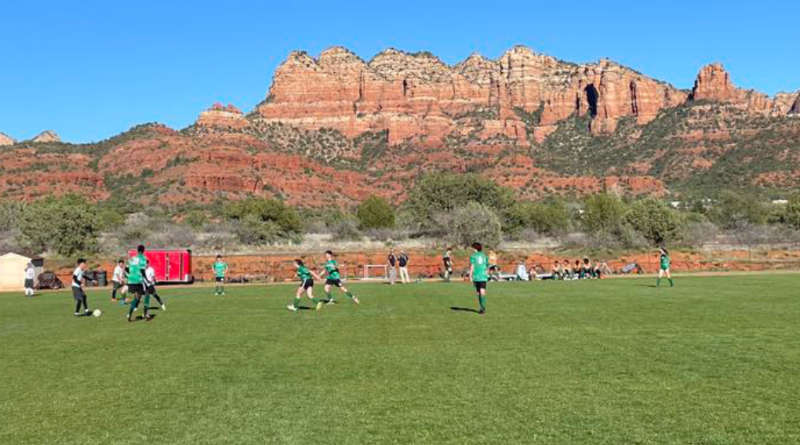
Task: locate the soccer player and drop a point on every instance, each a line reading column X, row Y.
column 30, row 276
column 334, row 279
column 117, row 279
column 77, row 289
column 306, row 285
column 136, row 268
column 392, row 258
column 478, row 265
column 448, row 264
column 664, row 269
column 150, row 288
column 220, row 270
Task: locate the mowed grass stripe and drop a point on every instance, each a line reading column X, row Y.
column 714, row 360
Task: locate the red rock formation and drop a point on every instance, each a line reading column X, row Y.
column 713, row 83
column 416, row 95
column 47, row 136
column 6, row 140
column 220, row 116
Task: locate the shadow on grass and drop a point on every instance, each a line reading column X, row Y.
column 464, row 309
column 141, row 318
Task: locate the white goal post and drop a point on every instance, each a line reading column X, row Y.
column 376, row 272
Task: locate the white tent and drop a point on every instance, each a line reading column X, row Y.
column 12, row 271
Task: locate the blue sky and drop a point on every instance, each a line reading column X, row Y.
column 90, row 69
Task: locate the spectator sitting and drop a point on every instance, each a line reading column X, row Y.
column 522, row 272
column 586, row 271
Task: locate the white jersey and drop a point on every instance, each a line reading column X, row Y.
column 119, row 272
column 150, row 276
column 30, row 273
column 77, row 277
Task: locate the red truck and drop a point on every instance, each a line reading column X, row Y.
column 170, row 265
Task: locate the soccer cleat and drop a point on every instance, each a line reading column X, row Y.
column 330, row 302
column 148, row 317
column 319, row 305
column 292, row 308
column 355, row 300
column 482, row 311
column 164, row 307
column 222, row 293
column 77, row 314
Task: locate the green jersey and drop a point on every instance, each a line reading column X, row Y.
column 480, row 263
column 220, row 268
column 136, row 265
column 333, row 269
column 303, row 273
column 664, row 261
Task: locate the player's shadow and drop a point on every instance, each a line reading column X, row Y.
column 464, row 309
column 304, row 308
column 141, row 317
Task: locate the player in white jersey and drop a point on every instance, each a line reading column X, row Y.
column 117, row 279
column 77, row 289
column 150, row 287
column 30, row 276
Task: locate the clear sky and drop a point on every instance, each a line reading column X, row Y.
column 91, row 69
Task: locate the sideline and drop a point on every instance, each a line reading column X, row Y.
column 210, row 284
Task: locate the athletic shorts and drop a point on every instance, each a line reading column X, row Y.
column 28, row 283
column 116, row 285
column 219, row 279
column 664, row 268
column 479, row 285
column 333, row 282
column 136, row 288
column 150, row 290
column 77, row 293
column 307, row 283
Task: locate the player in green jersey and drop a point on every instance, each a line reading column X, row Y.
column 334, row 279
column 663, row 269
column 306, row 285
column 136, row 268
column 478, row 267
column 220, row 270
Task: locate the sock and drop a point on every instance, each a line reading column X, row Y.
column 85, row 305
column 349, row 294
column 160, row 303
column 146, row 301
column 315, row 300
column 133, row 305
column 329, row 296
column 78, row 307
column 658, row 282
column 222, row 289
column 482, row 301
column 671, row 283
column 296, row 302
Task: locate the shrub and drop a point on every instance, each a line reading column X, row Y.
column 254, row 231
column 473, row 222
column 653, row 220
column 439, row 193
column 791, row 213
column 346, row 230
column 66, row 225
column 603, row 212
column 263, row 221
column 736, row 210
column 375, row 213
column 196, row 219
column 550, row 218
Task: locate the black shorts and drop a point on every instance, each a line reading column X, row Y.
column 136, row 288
column 219, row 279
column 28, row 283
column 150, row 290
column 479, row 285
column 116, row 285
column 78, row 294
column 333, row 282
column 308, row 283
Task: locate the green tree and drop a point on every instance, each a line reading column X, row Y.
column 266, row 210
column 253, row 230
column 654, row 220
column 603, row 212
column 549, row 218
column 472, row 222
column 66, row 225
column 791, row 213
column 734, row 210
column 443, row 192
column 10, row 214
column 375, row 212
column 196, row 219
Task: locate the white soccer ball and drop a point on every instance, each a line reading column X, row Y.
column 97, row 312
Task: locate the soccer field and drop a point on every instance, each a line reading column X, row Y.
column 715, row 360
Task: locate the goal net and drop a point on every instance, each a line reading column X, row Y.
column 376, row 272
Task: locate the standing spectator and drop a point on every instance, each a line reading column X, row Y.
column 402, row 260
column 448, row 264
column 30, row 275
column 117, row 279
column 392, row 267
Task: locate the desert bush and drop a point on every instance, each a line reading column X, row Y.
column 603, row 212
column 346, row 230
column 265, row 210
column 196, row 219
column 473, row 222
column 375, row 213
column 736, row 211
column 252, row 230
column 653, row 220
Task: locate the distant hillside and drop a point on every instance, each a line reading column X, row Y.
column 341, row 127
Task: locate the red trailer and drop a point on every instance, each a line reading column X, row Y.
column 170, row 265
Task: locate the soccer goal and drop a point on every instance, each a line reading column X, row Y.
column 376, row 272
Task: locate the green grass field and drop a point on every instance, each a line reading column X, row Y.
column 715, row 360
